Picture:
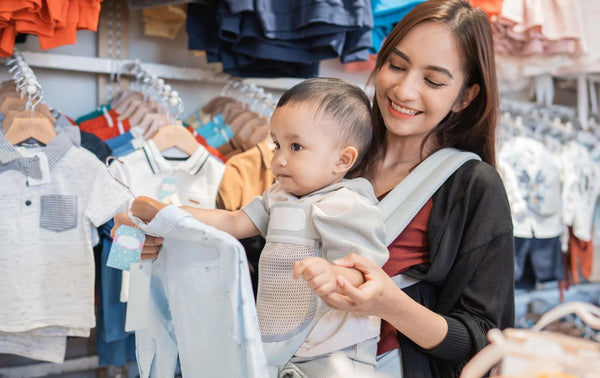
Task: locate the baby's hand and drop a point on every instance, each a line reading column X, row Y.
column 146, row 208
column 318, row 273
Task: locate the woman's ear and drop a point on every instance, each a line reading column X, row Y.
column 346, row 159
column 469, row 95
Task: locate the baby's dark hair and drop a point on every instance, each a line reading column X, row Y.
column 341, row 105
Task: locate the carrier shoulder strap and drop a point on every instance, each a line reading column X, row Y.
column 403, row 202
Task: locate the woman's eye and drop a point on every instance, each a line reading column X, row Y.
column 396, row 68
column 434, row 84
column 296, row 147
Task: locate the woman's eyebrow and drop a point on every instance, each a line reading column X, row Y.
column 432, row 68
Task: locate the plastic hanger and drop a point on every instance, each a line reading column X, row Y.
column 240, row 119
column 233, row 111
column 127, row 102
column 138, row 114
column 175, row 136
column 232, row 108
column 215, row 105
column 152, row 122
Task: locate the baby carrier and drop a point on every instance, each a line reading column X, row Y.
column 398, row 207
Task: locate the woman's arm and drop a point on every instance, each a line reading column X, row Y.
column 379, row 296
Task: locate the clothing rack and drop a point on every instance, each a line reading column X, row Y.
column 252, row 94
column 112, row 66
column 154, row 88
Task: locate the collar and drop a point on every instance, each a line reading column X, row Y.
column 158, row 164
column 65, row 138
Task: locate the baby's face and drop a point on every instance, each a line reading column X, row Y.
column 305, row 155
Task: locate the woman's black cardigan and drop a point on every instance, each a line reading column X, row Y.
column 470, row 277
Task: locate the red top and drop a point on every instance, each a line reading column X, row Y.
column 410, row 248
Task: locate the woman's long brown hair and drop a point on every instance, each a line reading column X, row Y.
column 473, row 128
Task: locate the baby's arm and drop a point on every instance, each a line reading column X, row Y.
column 351, row 225
column 236, row 223
column 321, row 275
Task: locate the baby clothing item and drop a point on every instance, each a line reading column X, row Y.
column 534, row 189
column 331, row 223
column 52, row 198
column 201, row 306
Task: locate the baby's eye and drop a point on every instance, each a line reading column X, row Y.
column 296, row 147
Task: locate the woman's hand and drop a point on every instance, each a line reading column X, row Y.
column 376, row 296
column 151, row 245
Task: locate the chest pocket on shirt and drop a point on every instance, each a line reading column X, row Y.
column 58, row 212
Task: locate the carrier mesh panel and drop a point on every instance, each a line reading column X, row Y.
column 285, row 306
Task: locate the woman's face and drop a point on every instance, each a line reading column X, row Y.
column 420, row 82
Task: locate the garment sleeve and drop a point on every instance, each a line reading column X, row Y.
column 518, row 205
column 104, row 196
column 348, row 223
column 258, row 212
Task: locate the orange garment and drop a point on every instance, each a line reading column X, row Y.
column 490, row 7
column 89, row 13
column 7, row 40
column 7, row 8
column 66, row 35
column 55, row 22
column 33, row 23
column 580, row 257
column 101, row 127
column 246, row 175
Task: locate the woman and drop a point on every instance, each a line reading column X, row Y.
column 435, row 87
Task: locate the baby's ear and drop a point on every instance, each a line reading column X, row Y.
column 346, row 159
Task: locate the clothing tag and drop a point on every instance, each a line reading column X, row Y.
column 45, row 168
column 139, row 296
column 168, row 192
column 126, row 247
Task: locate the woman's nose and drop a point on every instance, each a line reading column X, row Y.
column 406, row 88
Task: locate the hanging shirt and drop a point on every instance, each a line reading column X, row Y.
column 581, row 187
column 246, row 175
column 537, row 201
column 197, row 177
column 202, row 306
column 46, row 257
column 196, row 180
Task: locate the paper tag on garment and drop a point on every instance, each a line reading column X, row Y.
column 126, row 247
column 139, row 296
column 168, row 192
